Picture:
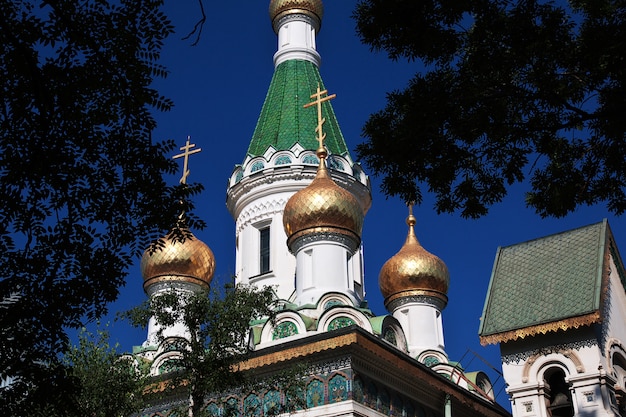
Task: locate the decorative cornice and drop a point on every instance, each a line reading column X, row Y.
column 546, row 350
column 344, row 237
column 568, row 353
column 298, row 351
column 167, row 282
column 289, row 180
column 258, row 212
column 569, row 323
column 433, row 298
column 296, row 15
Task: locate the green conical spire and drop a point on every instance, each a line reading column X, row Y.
column 284, row 121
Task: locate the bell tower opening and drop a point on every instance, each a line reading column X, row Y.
column 559, row 396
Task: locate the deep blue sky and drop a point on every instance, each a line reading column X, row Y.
column 218, row 88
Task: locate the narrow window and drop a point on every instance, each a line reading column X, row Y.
column 264, row 235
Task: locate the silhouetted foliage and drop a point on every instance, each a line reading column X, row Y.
column 207, row 364
column 509, row 91
column 81, row 180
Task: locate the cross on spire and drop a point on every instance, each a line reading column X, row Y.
column 186, row 152
column 319, row 98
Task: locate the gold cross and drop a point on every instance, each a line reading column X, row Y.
column 318, row 100
column 186, row 153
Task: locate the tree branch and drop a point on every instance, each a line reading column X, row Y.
column 197, row 29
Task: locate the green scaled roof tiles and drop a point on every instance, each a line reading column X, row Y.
column 548, row 284
column 284, row 121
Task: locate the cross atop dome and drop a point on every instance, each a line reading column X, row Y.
column 186, row 152
column 320, row 97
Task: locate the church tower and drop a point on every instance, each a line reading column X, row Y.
column 557, row 307
column 281, row 157
column 180, row 263
column 414, row 283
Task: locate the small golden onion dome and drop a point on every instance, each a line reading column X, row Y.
column 190, row 261
column 322, row 206
column 413, row 271
column 312, row 8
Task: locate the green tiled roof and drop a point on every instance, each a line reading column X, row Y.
column 284, row 121
column 556, row 279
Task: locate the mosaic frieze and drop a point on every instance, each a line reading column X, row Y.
column 337, row 389
column 431, row 361
column 315, row 393
column 390, row 336
column 332, row 303
column 524, row 356
column 252, row 405
column 283, row 160
column 284, row 329
column 257, row 166
column 271, row 402
column 340, row 322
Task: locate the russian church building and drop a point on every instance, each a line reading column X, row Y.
column 557, row 307
column 298, row 201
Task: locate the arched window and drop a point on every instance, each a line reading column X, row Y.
column 310, row 160
column 257, row 166
column 559, row 395
column 283, row 160
column 619, row 371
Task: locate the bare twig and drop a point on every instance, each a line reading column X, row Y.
column 197, row 29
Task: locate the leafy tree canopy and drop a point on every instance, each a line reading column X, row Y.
column 106, row 384
column 207, row 362
column 81, row 180
column 511, row 91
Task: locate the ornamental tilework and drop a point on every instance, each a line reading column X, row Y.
column 384, row 404
column 295, row 403
column 232, row 406
column 562, row 275
column 213, row 409
column 271, row 402
column 337, row 389
column 252, row 405
column 397, row 407
column 371, row 395
column 284, row 121
column 283, row 160
column 431, row 361
column 340, row 322
column 315, row 393
column 168, row 366
column 284, row 329
column 358, row 393
column 257, row 166
column 332, row 303
column 390, row 336
column 310, row 160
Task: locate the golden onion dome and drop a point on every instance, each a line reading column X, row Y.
column 413, row 271
column 190, row 261
column 322, row 206
column 311, row 8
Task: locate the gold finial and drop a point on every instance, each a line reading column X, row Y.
column 411, row 220
column 186, row 153
column 318, row 99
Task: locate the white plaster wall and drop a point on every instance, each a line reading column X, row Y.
column 267, row 210
column 423, row 327
column 323, row 267
column 616, row 328
column 574, row 353
column 296, row 40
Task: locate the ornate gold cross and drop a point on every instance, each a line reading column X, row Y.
column 318, row 100
column 186, row 152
